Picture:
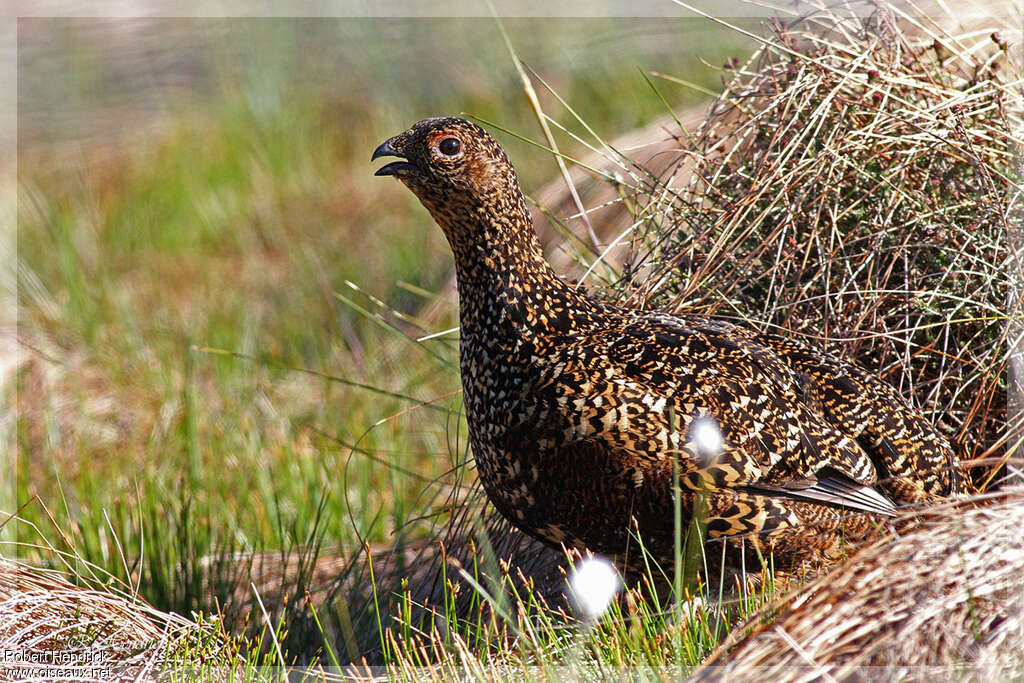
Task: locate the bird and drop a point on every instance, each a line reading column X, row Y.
column 591, row 424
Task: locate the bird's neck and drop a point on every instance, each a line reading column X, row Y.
column 502, row 273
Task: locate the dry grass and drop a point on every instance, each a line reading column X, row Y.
column 100, row 632
column 946, row 591
column 854, row 185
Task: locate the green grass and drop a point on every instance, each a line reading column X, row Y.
column 201, row 379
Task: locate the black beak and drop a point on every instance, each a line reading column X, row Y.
column 395, row 167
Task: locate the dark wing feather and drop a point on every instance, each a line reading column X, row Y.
column 831, row 488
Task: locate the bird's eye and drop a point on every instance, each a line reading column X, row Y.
column 450, row 147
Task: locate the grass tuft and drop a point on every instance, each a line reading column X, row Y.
column 855, row 185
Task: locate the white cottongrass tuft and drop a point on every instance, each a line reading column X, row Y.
column 593, row 584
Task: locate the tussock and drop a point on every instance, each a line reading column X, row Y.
column 946, row 591
column 97, row 633
column 854, row 185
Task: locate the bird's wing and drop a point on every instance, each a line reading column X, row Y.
column 631, row 378
column 914, row 461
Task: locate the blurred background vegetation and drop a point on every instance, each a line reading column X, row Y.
column 197, row 184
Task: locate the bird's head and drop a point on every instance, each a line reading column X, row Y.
column 455, row 168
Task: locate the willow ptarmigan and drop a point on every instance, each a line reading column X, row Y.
column 578, row 409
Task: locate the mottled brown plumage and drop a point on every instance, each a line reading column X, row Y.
column 579, row 410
